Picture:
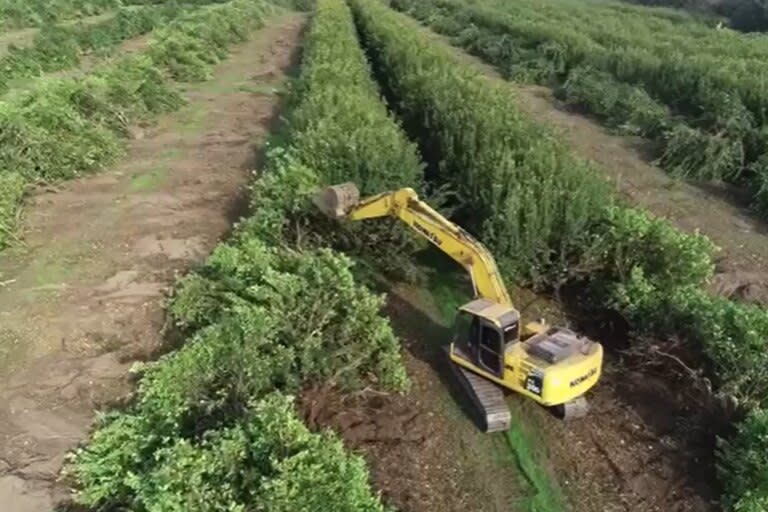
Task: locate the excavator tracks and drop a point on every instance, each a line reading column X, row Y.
column 486, row 397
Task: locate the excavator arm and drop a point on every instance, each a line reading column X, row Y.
column 343, row 201
column 567, row 364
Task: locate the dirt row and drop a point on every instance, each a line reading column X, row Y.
column 715, row 209
column 83, row 296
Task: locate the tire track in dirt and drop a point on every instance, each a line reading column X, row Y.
column 84, row 295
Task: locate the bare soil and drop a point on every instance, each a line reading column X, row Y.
column 83, row 295
column 644, row 447
column 424, row 455
column 399, row 440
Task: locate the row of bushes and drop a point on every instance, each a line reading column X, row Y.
column 641, row 31
column 189, row 47
column 708, row 123
column 515, row 184
column 549, row 219
column 213, row 427
column 34, row 13
column 59, row 47
column 674, row 26
column 60, row 128
column 359, row 143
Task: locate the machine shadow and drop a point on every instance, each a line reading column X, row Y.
column 428, row 341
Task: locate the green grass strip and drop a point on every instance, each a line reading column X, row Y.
column 547, row 495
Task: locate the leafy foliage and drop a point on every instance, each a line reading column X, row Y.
column 12, row 188
column 189, row 46
column 712, row 156
column 299, row 5
column 635, row 240
column 744, row 465
column 629, row 109
column 698, row 93
column 186, row 2
column 211, row 428
column 311, row 294
column 58, row 47
column 266, row 461
column 16, row 14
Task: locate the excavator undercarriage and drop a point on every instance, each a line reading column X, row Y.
column 487, row 398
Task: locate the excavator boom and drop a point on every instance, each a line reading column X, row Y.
column 344, row 201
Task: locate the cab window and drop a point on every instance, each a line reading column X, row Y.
column 512, row 333
column 491, row 350
column 463, row 335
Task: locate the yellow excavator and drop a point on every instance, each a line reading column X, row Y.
column 551, row 365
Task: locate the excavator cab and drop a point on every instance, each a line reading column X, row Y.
column 484, row 331
column 552, row 365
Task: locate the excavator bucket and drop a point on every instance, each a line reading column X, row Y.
column 336, row 201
